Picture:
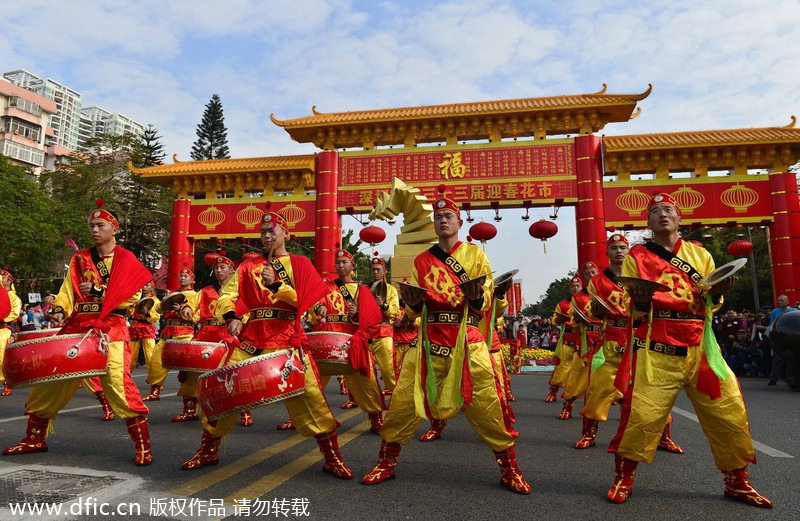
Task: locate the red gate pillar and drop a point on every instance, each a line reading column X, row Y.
column 590, row 218
column 181, row 251
column 328, row 224
column 784, row 236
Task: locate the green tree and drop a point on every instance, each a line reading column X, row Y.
column 555, row 293
column 30, row 240
column 212, row 136
column 152, row 151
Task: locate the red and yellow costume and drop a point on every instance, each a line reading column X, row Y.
column 6, row 325
column 588, row 336
column 565, row 348
column 116, row 279
column 405, row 331
column 143, row 332
column 381, row 338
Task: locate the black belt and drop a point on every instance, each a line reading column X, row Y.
column 213, row 322
column 249, row 348
column 94, row 307
column 338, row 319
column 569, row 329
column 617, row 322
column 271, row 313
column 594, row 328
column 661, row 347
column 140, row 320
column 669, row 314
column 451, row 317
column 436, row 349
column 570, row 344
column 179, row 323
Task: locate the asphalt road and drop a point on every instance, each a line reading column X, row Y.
column 454, row 478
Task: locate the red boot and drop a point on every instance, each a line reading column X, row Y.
column 435, row 432
column 155, row 393
column 623, row 481
column 553, row 394
column 189, row 410
column 566, row 411
column 137, row 428
column 511, row 476
column 246, row 419
column 387, row 392
column 342, row 386
column 589, row 434
column 34, row 438
column 329, row 447
column 375, row 421
column 387, row 461
column 286, row 426
column 207, row 454
column 108, row 412
column 666, row 442
column 350, row 403
column 738, row 487
column 6, row 390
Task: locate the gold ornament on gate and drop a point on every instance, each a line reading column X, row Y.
column 739, row 197
column 211, row 217
column 293, row 214
column 633, row 201
column 688, row 199
column 250, row 215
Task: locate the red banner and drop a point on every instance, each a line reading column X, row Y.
column 704, row 200
column 518, row 296
column 241, row 217
column 480, row 174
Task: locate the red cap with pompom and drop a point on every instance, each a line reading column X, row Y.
column 187, row 269
column 443, row 203
column 7, row 274
column 274, row 217
column 103, row 214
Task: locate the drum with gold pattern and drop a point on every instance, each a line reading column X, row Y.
column 191, row 355
column 329, row 350
column 33, row 334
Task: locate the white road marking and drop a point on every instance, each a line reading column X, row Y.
column 62, row 411
column 766, row 449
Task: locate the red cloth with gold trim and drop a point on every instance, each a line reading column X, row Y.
column 103, row 214
column 7, row 274
column 570, row 328
column 206, row 306
column 617, row 298
column 276, row 219
column 337, row 318
column 583, row 301
column 181, row 326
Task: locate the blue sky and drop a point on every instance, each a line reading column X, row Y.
column 713, row 64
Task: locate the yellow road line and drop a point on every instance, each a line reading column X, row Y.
column 226, row 471
column 290, row 470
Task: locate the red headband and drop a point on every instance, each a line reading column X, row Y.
column 377, row 261
column 7, row 274
column 446, row 204
column 103, row 215
column 662, row 198
column 346, row 255
column 274, row 218
column 575, row 280
column 617, row 237
column 187, row 269
column 588, row 265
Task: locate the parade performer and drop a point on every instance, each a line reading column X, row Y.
column 449, row 366
column 405, row 331
column 94, row 387
column 100, row 284
column 7, row 324
column 381, row 341
column 676, row 350
column 567, row 340
column 339, row 311
column 588, row 336
column 142, row 328
column 275, row 291
column 179, row 317
column 615, row 338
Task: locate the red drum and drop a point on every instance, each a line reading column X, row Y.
column 251, row 383
column 329, row 351
column 33, row 334
column 190, row 355
column 55, row 358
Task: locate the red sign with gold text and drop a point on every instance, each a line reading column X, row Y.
column 479, row 174
column 242, row 217
column 707, row 200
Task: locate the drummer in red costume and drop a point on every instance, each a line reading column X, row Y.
column 338, row 311
column 588, row 336
column 212, row 329
column 676, row 350
column 449, row 366
column 381, row 341
column 567, row 341
column 100, row 284
column 267, row 290
column 142, row 328
column 602, row 391
column 179, row 326
column 7, row 322
column 405, row 331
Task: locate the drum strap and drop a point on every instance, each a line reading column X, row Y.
column 100, row 265
column 280, row 269
column 450, row 262
column 348, row 297
column 674, row 260
column 611, row 276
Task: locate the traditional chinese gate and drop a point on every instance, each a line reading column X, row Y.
column 516, row 165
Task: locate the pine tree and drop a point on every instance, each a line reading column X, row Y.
column 152, row 151
column 212, row 136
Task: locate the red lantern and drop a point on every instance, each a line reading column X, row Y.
column 372, row 234
column 250, row 255
column 740, row 248
column 211, row 258
column 483, row 231
column 543, row 230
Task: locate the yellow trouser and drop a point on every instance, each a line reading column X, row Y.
column 724, row 420
column 157, row 373
column 578, row 378
column 47, row 399
column 561, row 372
column 309, row 411
column 484, row 414
column 5, row 336
column 502, row 373
column 148, row 344
column 188, row 387
column 601, row 392
column 383, row 350
column 400, row 351
column 365, row 390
